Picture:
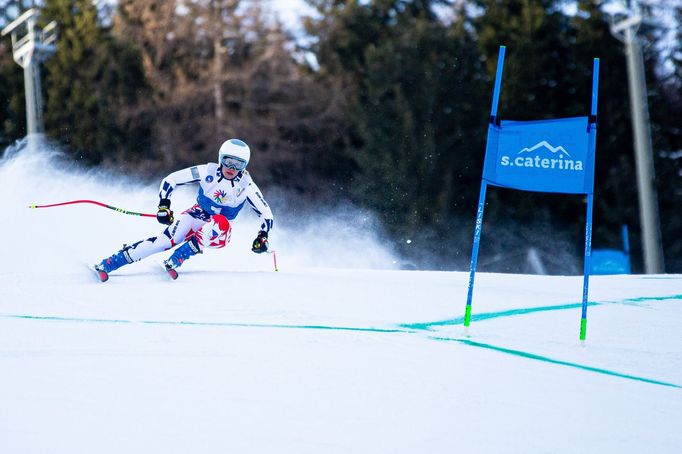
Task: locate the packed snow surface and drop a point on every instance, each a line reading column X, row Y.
column 335, row 353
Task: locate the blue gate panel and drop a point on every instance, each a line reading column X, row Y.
column 543, row 156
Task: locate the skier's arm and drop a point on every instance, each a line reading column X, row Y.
column 259, row 206
column 184, row 176
column 179, row 178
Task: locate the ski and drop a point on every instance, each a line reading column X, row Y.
column 102, row 275
column 169, row 271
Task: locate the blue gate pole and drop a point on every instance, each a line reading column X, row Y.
column 590, row 196
column 498, row 83
column 474, row 251
column 595, row 85
column 626, row 241
column 484, row 186
column 586, row 269
column 626, row 248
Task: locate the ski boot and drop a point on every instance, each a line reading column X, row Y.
column 113, row 263
column 188, row 249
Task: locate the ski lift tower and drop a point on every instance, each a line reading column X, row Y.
column 30, row 47
column 625, row 29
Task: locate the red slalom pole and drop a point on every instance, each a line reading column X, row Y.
column 274, row 258
column 120, row 210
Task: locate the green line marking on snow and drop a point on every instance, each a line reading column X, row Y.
column 644, row 299
column 265, row 325
column 213, row 324
column 404, row 328
column 67, row 319
column 545, row 359
column 401, row 328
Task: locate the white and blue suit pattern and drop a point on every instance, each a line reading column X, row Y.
column 218, row 195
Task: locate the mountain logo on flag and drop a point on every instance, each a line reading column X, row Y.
column 558, row 159
column 561, row 150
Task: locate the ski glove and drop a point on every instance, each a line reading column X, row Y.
column 260, row 244
column 164, row 215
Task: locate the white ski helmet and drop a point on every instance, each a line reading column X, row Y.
column 234, row 154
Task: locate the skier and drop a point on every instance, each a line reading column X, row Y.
column 223, row 189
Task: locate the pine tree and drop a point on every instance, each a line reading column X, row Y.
column 88, row 82
column 413, row 115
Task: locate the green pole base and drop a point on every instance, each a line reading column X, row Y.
column 583, row 328
column 467, row 315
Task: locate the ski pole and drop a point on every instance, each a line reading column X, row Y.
column 120, row 210
column 274, row 258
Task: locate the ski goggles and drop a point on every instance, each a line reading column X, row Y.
column 232, row 162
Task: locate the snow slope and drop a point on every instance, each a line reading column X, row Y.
column 335, row 353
